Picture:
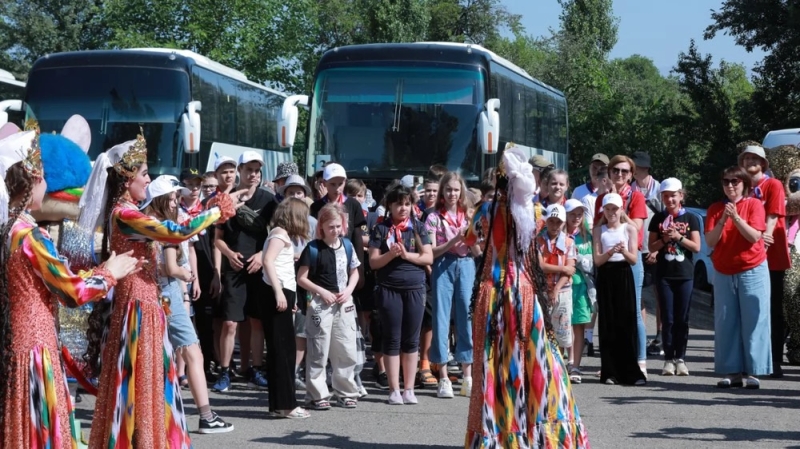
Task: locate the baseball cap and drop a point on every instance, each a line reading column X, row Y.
column 671, row 185
column 162, row 185
column 601, row 158
column 284, row 170
column 294, row 180
column 250, row 156
column 556, row 211
column 641, row 159
column 333, row 171
column 539, row 161
column 190, row 173
column 407, row 181
column 573, row 204
column 612, row 198
column 222, row 160
column 758, row 150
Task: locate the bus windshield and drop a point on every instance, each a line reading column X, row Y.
column 392, row 121
column 115, row 101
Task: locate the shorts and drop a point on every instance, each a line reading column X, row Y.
column 180, row 330
column 427, row 317
column 365, row 297
column 242, row 294
column 299, row 324
column 561, row 318
column 649, row 272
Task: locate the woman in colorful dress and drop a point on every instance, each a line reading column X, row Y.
column 139, row 400
column 521, row 394
column 37, row 411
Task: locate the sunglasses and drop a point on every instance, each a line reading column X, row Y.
column 620, row 171
column 731, row 181
column 209, row 186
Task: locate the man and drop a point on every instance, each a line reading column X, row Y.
column 587, row 193
column 649, row 187
column 242, row 286
column 540, row 165
column 772, row 194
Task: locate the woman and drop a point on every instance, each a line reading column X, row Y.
column 734, row 227
column 615, row 252
column 35, row 406
column 522, row 398
column 675, row 236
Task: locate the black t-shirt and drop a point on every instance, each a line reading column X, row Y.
column 400, row 274
column 355, row 221
column 324, row 273
column 248, row 242
column 204, row 249
column 674, row 261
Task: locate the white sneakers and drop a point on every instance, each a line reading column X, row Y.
column 466, row 387
column 446, row 389
column 673, row 367
column 669, row 368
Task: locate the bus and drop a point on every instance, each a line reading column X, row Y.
column 388, row 110
column 190, row 108
column 11, row 91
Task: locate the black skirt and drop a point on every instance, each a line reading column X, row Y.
column 616, row 300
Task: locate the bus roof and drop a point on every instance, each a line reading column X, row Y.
column 431, row 51
column 7, row 77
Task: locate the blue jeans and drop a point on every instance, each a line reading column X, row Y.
column 674, row 297
column 452, row 280
column 742, row 322
column 638, row 280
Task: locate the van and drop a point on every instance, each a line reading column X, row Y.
column 782, row 137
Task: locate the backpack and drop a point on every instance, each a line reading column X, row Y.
column 313, row 252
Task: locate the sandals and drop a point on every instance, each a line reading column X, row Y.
column 184, row 382
column 427, row 378
column 297, row 413
column 322, row 404
column 575, row 375
column 346, row 402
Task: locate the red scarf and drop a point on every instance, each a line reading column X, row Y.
column 339, row 200
column 395, row 234
column 459, row 218
column 194, row 210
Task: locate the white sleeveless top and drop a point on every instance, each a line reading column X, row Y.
column 611, row 237
column 284, row 263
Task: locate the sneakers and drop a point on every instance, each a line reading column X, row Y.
column 466, row 387
column 589, row 348
column 214, row 425
column 299, row 384
column 453, row 367
column 669, row 368
column 680, row 368
column 654, row 348
column 383, row 381
column 257, row 380
column 395, row 398
column 445, row 389
column 362, row 392
column 223, row 381
column 409, row 397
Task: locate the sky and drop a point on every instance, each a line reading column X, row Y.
column 657, row 29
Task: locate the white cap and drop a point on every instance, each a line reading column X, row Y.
column 612, row 198
column 671, row 185
column 333, row 171
column 573, row 204
column 251, row 156
column 222, row 160
column 294, row 180
column 555, row 211
column 163, row 185
column 407, row 181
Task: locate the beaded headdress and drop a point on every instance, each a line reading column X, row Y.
column 135, row 156
column 32, row 158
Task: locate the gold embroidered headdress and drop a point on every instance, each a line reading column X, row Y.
column 32, row 158
column 135, row 156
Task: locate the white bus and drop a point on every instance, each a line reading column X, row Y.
column 11, row 91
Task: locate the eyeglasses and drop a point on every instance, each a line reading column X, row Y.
column 620, row 171
column 193, row 186
column 209, row 186
column 731, row 181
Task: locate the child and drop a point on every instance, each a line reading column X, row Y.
column 584, row 294
column 162, row 204
column 289, row 224
column 329, row 271
column 430, row 194
column 356, row 188
column 487, row 192
column 557, row 258
column 399, row 250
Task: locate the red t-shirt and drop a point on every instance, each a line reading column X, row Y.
column 733, row 253
column 636, row 209
column 773, row 197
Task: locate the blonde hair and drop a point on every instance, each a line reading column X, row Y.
column 292, row 215
column 463, row 201
column 330, row 212
column 623, row 217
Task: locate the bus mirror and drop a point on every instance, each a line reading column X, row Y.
column 190, row 127
column 8, row 105
column 287, row 122
column 489, row 127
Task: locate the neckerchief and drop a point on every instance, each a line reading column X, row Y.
column 194, row 210
column 625, row 192
column 342, row 198
column 757, row 192
column 670, row 218
column 460, row 216
column 645, row 190
column 395, row 234
column 560, row 243
column 590, row 187
column 417, row 212
column 546, row 201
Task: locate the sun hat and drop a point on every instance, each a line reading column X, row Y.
column 294, row 180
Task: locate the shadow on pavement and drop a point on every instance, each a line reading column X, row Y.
column 719, row 434
column 339, row 441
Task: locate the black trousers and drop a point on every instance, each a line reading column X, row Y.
column 776, row 320
column 204, row 322
column 279, row 334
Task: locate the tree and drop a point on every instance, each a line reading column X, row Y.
column 475, row 21
column 590, row 22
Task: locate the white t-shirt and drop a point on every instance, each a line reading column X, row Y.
column 342, row 270
column 588, row 198
column 284, row 263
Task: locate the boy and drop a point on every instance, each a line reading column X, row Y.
column 557, row 256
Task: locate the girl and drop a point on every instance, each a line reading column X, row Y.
column 35, row 406
column 452, row 277
column 614, row 240
column 289, row 224
column 521, row 396
column 557, row 186
column 138, row 404
column 399, row 250
column 584, row 294
column 162, row 204
column 675, row 235
column 329, row 271
column 742, row 348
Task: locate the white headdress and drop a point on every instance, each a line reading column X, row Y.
column 521, row 188
column 13, row 149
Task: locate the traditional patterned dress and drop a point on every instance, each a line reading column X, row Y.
column 521, row 396
column 139, row 401
column 38, row 411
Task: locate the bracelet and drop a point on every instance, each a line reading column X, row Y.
column 681, row 239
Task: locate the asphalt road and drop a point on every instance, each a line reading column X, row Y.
column 670, row 412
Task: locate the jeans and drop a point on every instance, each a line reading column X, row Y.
column 452, row 280
column 638, row 280
column 674, row 297
column 180, row 328
column 742, row 322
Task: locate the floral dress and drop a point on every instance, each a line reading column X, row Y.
column 38, row 411
column 521, row 395
column 139, row 398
